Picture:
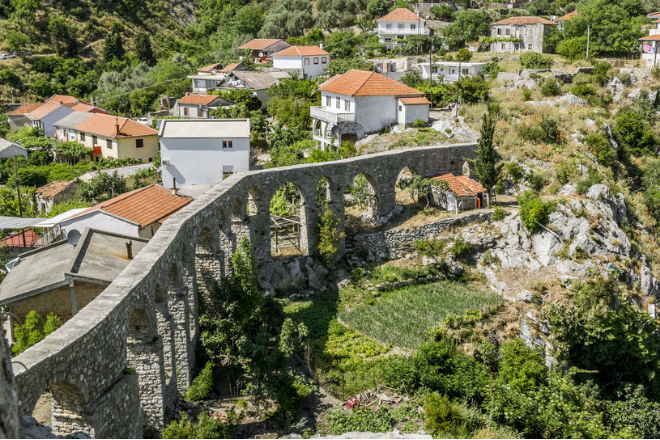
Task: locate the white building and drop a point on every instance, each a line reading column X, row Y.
column 197, row 152
column 311, row 61
column 450, row 70
column 649, row 44
column 258, row 82
column 208, row 79
column 10, row 149
column 360, row 102
column 399, row 24
column 519, row 34
column 199, row 106
column 64, row 128
column 263, row 48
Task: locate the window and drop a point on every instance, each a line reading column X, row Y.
column 306, row 61
column 316, row 60
column 226, row 144
column 95, row 140
column 502, row 46
column 82, row 137
column 401, row 25
column 388, row 27
column 387, row 40
column 529, row 47
column 413, row 27
column 139, row 143
column 186, row 111
column 453, row 71
column 434, row 69
column 508, row 31
column 400, row 108
column 108, row 143
column 499, row 31
column 347, row 105
column 324, row 60
column 199, row 113
column 464, row 71
column 328, row 101
column 151, row 159
column 337, row 101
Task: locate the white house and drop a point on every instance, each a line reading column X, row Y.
column 360, row 102
column 203, row 151
column 258, row 82
column 199, row 106
column 10, row 149
column 450, row 70
column 399, row 24
column 263, row 48
column 519, row 34
column 311, row 61
column 649, row 43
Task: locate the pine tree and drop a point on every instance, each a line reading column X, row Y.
column 143, row 49
column 114, row 45
column 485, row 165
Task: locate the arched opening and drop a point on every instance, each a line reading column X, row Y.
column 361, row 204
column 288, row 228
column 254, row 201
column 225, row 243
column 69, row 410
column 323, row 192
column 143, row 355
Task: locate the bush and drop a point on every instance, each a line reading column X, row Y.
column 514, row 171
column 206, row 427
column 551, row 87
column 201, row 385
column 499, row 213
column 419, row 123
column 573, row 48
column 361, row 420
column 521, row 367
column 461, row 248
column 431, row 247
column 600, row 147
column 593, row 178
column 444, row 418
column 634, row 134
column 533, row 60
column 584, row 90
column 564, row 171
column 527, row 94
column 33, row 330
column 534, row 212
column 550, row 130
column 536, row 180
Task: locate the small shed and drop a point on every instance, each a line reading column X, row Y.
column 412, row 109
column 10, row 149
column 460, row 194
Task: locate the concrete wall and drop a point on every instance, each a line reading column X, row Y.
column 124, row 148
column 146, row 321
column 202, row 161
column 411, row 113
column 309, row 68
column 12, row 151
column 47, row 121
column 102, row 221
column 375, row 112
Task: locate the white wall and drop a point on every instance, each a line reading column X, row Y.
column 415, row 112
column 12, row 151
column 333, row 100
column 201, row 161
column 450, row 70
column 375, row 112
column 287, row 62
column 54, row 116
column 192, row 111
column 101, row 221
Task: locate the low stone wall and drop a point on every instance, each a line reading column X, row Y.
column 396, row 243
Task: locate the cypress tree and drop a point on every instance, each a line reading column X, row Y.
column 143, row 49
column 485, row 165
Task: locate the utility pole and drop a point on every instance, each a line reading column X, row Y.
column 588, row 38
column 18, row 193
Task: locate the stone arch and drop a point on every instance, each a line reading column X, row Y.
column 239, row 225
column 190, row 285
column 402, row 182
column 351, row 131
column 69, row 410
column 144, row 355
column 208, row 265
column 324, row 191
column 361, row 200
column 288, row 215
column 255, row 204
column 226, row 242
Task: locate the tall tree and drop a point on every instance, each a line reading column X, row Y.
column 469, row 26
column 143, row 49
column 485, row 165
column 62, row 37
column 288, row 18
column 24, row 13
column 114, row 44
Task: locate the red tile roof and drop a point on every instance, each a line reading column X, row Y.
column 209, row 68
column 651, row 38
column 44, row 110
column 301, row 51
column 198, row 99
column 524, row 21
column 461, row 185
column 568, row 16
column 64, row 99
column 259, row 43
column 16, row 240
column 143, row 206
column 415, row 101
column 26, row 108
column 50, row 190
column 400, row 14
column 363, row 83
column 230, row 67
column 105, row 125
column 654, row 15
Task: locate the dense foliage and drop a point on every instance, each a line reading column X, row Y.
column 33, row 330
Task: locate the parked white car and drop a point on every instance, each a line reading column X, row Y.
column 143, row 121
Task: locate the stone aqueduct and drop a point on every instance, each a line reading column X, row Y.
column 119, row 363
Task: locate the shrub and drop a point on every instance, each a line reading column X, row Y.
column 527, row 94
column 444, row 418
column 551, row 87
column 584, row 90
column 550, row 130
column 536, row 180
column 329, row 235
column 593, row 178
column 514, row 171
column 499, row 213
column 206, row 427
column 573, row 48
column 600, row 147
column 33, row 330
column 419, row 123
column 533, row 60
column 521, row 367
column 634, row 134
column 461, row 248
column 534, row 212
column 431, row 247
column 564, row 171
column 361, row 420
column 201, row 385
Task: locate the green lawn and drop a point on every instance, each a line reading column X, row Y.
column 404, row 317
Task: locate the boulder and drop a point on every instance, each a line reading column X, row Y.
column 525, row 295
column 295, row 269
column 598, row 192
column 321, row 272
column 546, row 245
column 616, row 88
column 313, row 280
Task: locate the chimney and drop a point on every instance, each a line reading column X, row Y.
column 129, row 249
column 116, row 126
column 174, row 190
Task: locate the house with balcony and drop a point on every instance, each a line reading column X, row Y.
column 199, row 106
column 565, row 18
column 360, row 102
column 399, row 24
column 263, row 48
column 519, row 34
column 649, row 43
column 450, row 71
column 310, row 61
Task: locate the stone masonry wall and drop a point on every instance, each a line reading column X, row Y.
column 127, row 345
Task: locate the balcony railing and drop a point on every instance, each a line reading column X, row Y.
column 407, row 31
column 328, row 116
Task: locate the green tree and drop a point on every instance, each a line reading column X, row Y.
column 443, row 12
column 634, row 134
column 468, row 27
column 341, row 66
column 534, row 60
column 62, row 36
column 113, row 48
column 102, row 187
column 16, row 41
column 378, row 8
column 143, row 49
column 24, row 13
column 33, row 330
column 574, row 48
column 329, row 235
column 288, row 18
column 485, row 165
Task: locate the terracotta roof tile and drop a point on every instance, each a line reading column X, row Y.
column 16, row 240
column 524, row 20
column 64, row 99
column 44, row 110
column 301, row 51
column 568, row 16
column 415, row 101
column 209, row 68
column 50, row 190
column 105, row 125
column 461, row 185
column 651, row 38
column 363, row 83
column 143, row 206
column 26, row 108
column 230, row 67
column 401, row 14
column 198, row 99
column 82, row 107
column 654, row 15
column 259, row 43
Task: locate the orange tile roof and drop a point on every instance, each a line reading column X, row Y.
column 259, row 43
column 301, row 51
column 44, row 110
column 105, row 125
column 64, row 99
column 568, row 16
column 230, row 67
column 198, row 99
column 16, row 240
column 82, row 107
column 461, row 185
column 524, row 21
column 414, row 101
column 401, row 14
column 655, row 21
column 26, row 108
column 50, row 190
column 209, row 68
column 654, row 14
column 143, row 206
column 651, row 38
column 363, row 83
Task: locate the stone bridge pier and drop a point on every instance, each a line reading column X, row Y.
column 118, row 365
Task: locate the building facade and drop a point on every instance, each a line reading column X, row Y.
column 311, row 61
column 520, row 34
column 199, row 106
column 449, row 71
column 263, row 48
column 649, row 44
column 399, row 24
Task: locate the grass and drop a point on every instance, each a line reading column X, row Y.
column 404, row 317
